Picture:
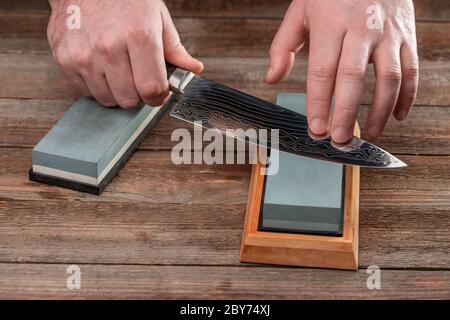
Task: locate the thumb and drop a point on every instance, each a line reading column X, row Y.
column 174, row 51
column 179, row 57
column 287, row 42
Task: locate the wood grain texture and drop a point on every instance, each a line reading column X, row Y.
column 239, row 37
column 165, row 231
column 157, row 212
column 425, row 131
column 31, row 281
column 426, row 10
column 37, row 77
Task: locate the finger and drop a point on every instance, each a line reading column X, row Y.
column 323, row 63
column 174, row 51
column 78, row 83
column 119, row 75
column 82, row 61
column 147, row 62
column 386, row 58
column 410, row 81
column 349, row 87
column 287, row 42
column 99, row 89
column 63, row 60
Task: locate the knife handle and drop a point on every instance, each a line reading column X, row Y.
column 170, row 69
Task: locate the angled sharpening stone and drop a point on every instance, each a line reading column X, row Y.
column 87, row 147
column 305, row 195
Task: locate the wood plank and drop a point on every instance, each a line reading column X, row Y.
column 426, row 10
column 24, row 5
column 37, row 77
column 425, row 132
column 157, row 212
column 129, row 232
column 148, row 177
column 41, row 281
column 224, row 37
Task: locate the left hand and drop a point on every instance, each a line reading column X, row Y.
column 346, row 35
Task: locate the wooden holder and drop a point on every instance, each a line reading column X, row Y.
column 302, row 249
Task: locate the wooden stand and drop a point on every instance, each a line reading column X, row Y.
column 301, row 249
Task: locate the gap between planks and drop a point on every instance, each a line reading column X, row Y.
column 231, row 265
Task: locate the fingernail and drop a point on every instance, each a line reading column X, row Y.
column 340, row 135
column 201, row 66
column 318, row 126
column 373, row 131
column 269, row 73
column 402, row 114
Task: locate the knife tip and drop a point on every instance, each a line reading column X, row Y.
column 397, row 163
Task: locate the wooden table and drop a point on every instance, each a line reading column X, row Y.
column 167, row 231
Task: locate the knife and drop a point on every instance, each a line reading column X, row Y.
column 218, row 107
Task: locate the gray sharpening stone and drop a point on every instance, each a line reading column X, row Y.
column 90, row 143
column 305, row 195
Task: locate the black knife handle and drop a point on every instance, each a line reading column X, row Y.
column 170, row 69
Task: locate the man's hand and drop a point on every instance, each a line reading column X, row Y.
column 345, row 35
column 118, row 54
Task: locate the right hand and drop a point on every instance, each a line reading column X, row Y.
column 118, row 55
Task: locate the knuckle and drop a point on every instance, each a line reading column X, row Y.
column 151, row 90
column 353, row 73
column 138, row 35
column 83, row 59
column 322, row 72
column 106, row 47
column 62, row 61
column 319, row 101
column 174, row 49
column 61, row 58
column 348, row 111
column 412, row 72
column 392, row 75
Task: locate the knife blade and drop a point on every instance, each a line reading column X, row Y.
column 221, row 108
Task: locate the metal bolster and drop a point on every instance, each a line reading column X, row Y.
column 179, row 79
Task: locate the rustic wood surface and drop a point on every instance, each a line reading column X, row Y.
column 166, row 231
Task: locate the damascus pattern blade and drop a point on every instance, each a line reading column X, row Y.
column 220, row 108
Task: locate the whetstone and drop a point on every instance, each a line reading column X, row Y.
column 300, row 236
column 305, row 195
column 87, row 147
